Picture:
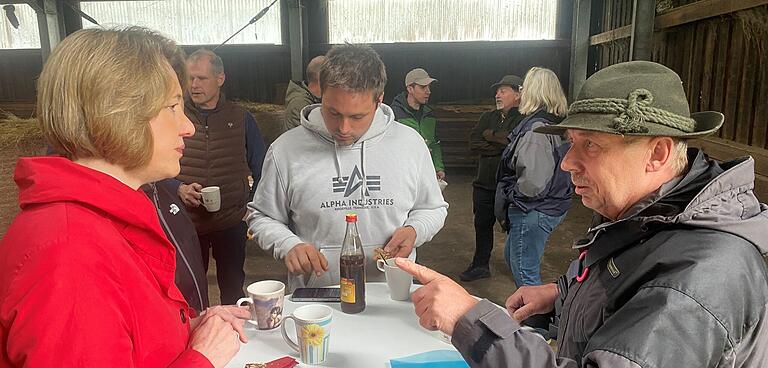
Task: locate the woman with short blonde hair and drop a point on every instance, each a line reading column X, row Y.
column 533, row 193
column 87, row 274
column 541, row 89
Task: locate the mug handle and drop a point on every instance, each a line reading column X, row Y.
column 287, row 338
column 379, row 264
column 243, row 300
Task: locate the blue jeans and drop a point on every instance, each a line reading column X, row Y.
column 528, row 233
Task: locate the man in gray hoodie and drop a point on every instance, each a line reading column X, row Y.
column 671, row 273
column 348, row 155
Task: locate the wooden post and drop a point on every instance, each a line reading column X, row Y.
column 50, row 24
column 579, row 46
column 640, row 44
column 72, row 20
column 296, row 31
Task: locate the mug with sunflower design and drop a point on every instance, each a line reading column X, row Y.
column 313, row 330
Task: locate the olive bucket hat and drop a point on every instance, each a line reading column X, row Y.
column 508, row 80
column 638, row 98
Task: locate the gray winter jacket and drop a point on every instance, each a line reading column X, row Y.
column 679, row 282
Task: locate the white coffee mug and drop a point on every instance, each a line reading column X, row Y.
column 313, row 330
column 398, row 281
column 211, row 198
column 265, row 301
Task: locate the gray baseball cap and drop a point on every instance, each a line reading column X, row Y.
column 418, row 76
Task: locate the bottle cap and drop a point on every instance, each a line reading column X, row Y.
column 351, row 217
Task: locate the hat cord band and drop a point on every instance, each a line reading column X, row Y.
column 633, row 114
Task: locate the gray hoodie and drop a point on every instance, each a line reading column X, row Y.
column 309, row 183
column 679, row 282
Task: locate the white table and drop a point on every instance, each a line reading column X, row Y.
column 386, row 329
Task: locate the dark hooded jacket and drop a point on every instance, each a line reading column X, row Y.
column 678, row 282
column 180, row 231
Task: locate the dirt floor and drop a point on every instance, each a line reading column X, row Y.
column 451, row 250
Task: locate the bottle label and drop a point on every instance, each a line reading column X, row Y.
column 347, row 290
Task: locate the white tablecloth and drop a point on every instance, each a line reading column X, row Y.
column 385, row 329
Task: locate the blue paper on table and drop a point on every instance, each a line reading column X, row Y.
column 431, row 359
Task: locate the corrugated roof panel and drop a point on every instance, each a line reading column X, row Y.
column 382, row 21
column 26, row 36
column 192, row 22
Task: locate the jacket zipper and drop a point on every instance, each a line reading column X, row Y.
column 175, row 243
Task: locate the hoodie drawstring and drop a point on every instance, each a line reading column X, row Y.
column 337, row 163
column 362, row 170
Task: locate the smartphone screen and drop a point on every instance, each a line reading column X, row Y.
column 316, row 295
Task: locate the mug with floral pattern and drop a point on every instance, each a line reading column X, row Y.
column 313, row 330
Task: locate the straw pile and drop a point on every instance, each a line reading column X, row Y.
column 18, row 137
column 268, row 116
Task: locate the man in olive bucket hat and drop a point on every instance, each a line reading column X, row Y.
column 669, row 275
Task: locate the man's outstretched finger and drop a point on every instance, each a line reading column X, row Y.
column 424, row 274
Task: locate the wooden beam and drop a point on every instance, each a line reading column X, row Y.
column 703, row 9
column 640, row 44
column 692, row 12
column 295, row 29
column 582, row 9
column 612, row 35
column 724, row 150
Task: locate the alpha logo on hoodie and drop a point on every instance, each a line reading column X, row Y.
column 349, row 184
column 350, row 187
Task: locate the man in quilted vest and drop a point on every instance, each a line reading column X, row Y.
column 226, row 148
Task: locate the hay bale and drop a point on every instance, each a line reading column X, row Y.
column 18, row 138
column 268, row 116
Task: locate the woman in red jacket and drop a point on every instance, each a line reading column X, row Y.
column 86, row 272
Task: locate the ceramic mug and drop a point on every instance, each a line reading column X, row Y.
column 211, row 198
column 313, row 330
column 265, row 301
column 398, row 281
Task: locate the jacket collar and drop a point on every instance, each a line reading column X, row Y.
column 131, row 212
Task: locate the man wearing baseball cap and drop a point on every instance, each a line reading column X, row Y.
column 488, row 140
column 670, row 274
column 411, row 109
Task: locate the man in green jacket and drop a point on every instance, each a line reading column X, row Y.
column 411, row 109
column 488, row 140
column 299, row 94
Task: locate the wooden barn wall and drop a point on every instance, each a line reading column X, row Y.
column 616, row 13
column 18, row 73
column 722, row 61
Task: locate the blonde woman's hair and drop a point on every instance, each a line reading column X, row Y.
column 100, row 88
column 542, row 89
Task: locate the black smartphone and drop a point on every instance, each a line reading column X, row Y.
column 316, row 295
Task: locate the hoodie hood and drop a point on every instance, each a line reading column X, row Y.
column 312, row 119
column 383, row 118
column 711, row 195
